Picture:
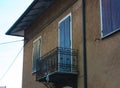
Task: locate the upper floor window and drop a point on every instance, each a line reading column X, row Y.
column 110, row 16
column 65, row 32
column 36, row 53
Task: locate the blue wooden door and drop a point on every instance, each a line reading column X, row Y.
column 65, row 44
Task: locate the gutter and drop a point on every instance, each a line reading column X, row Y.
column 84, row 44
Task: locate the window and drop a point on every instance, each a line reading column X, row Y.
column 36, row 53
column 65, row 29
column 110, row 16
column 65, row 42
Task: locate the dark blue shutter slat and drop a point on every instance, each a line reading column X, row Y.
column 67, row 32
column 106, row 17
column 115, row 8
column 61, row 56
column 62, row 34
column 67, row 59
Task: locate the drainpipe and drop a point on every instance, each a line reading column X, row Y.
column 84, row 44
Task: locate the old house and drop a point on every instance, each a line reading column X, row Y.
column 70, row 43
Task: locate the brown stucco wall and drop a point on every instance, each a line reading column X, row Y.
column 102, row 54
column 49, row 35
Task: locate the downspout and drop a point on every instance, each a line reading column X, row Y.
column 84, row 44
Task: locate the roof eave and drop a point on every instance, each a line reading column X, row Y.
column 14, row 31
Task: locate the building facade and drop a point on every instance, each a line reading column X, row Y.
column 53, row 43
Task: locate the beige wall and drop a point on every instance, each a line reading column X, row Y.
column 102, row 54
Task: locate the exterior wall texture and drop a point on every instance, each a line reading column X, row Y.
column 102, row 54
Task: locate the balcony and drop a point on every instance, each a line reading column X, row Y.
column 58, row 65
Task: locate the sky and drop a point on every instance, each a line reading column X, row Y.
column 11, row 53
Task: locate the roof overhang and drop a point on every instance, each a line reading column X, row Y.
column 33, row 11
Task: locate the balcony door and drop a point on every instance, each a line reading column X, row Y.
column 64, row 40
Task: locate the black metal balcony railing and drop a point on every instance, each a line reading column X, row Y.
column 59, row 60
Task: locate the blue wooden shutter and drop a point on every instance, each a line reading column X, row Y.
column 115, row 8
column 110, row 16
column 106, row 17
column 65, row 43
column 61, row 57
column 62, row 35
column 67, row 33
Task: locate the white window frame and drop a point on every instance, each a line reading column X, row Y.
column 101, row 20
column 39, row 38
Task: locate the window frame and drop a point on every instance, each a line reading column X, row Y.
column 38, row 39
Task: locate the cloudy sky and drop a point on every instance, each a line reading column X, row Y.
column 10, row 53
